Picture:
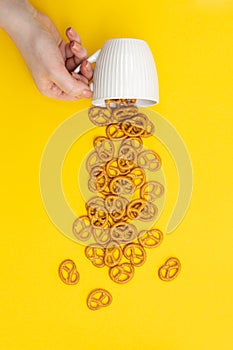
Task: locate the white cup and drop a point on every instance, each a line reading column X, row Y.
column 125, row 69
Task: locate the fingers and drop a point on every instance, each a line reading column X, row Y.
column 72, row 35
column 79, row 53
column 86, row 70
column 70, row 85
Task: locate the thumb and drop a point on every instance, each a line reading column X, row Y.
column 72, row 87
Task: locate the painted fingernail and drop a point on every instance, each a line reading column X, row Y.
column 87, row 93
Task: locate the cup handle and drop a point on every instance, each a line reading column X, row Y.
column 90, row 59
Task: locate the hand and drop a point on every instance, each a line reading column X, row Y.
column 50, row 59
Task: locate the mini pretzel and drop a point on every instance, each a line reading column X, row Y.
column 114, row 132
column 82, row 228
column 135, row 253
column 121, row 273
column 98, row 216
column 149, row 129
column 100, row 116
column 101, row 235
column 121, row 185
column 152, row 190
column 98, row 183
column 135, row 142
column 170, row 269
column 116, row 206
column 104, row 148
column 134, row 126
column 113, row 170
column 127, row 157
column 124, row 113
column 113, row 254
column 98, row 298
column 68, row 272
column 93, row 160
column 123, row 232
column 138, row 177
column 95, row 253
column 150, row 239
column 149, row 160
column 149, row 212
column 135, row 208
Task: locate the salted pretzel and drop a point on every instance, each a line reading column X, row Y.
column 151, row 190
column 151, row 238
column 113, row 254
column 98, row 216
column 95, row 253
column 100, row 116
column 82, row 228
column 122, row 273
column 135, row 253
column 133, row 127
column 135, row 142
column 68, row 272
column 98, row 298
column 104, row 148
column 150, row 160
column 170, row 269
column 123, row 232
column 135, row 208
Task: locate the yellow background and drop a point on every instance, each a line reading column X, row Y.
column 192, row 44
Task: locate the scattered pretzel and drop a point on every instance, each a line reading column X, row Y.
column 82, row 228
column 149, row 160
column 151, row 238
column 121, row 273
column 113, row 254
column 98, row 298
column 135, row 253
column 100, row 116
column 68, row 272
column 95, row 253
column 152, row 190
column 170, row 269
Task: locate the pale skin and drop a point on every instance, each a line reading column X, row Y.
column 49, row 58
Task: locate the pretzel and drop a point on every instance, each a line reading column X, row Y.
column 138, row 177
column 114, row 132
column 113, row 170
column 101, row 235
column 116, row 206
column 98, row 216
column 149, row 212
column 135, row 142
column 113, row 254
column 68, row 272
column 121, row 185
column 100, row 116
column 135, row 253
column 134, row 126
column 149, row 160
column 99, row 182
column 82, row 228
column 135, row 208
column 149, row 130
column 117, row 103
column 98, row 298
column 123, row 113
column 121, row 273
column 104, row 148
column 151, row 190
column 95, row 253
column 127, row 157
column 93, row 161
column 150, row 239
column 123, row 232
column 170, row 269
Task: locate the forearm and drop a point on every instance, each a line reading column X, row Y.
column 14, row 16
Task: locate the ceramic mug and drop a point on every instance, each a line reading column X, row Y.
column 125, row 69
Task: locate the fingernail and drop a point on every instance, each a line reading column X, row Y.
column 88, row 66
column 87, row 93
column 70, row 30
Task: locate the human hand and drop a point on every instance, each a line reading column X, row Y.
column 49, row 58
